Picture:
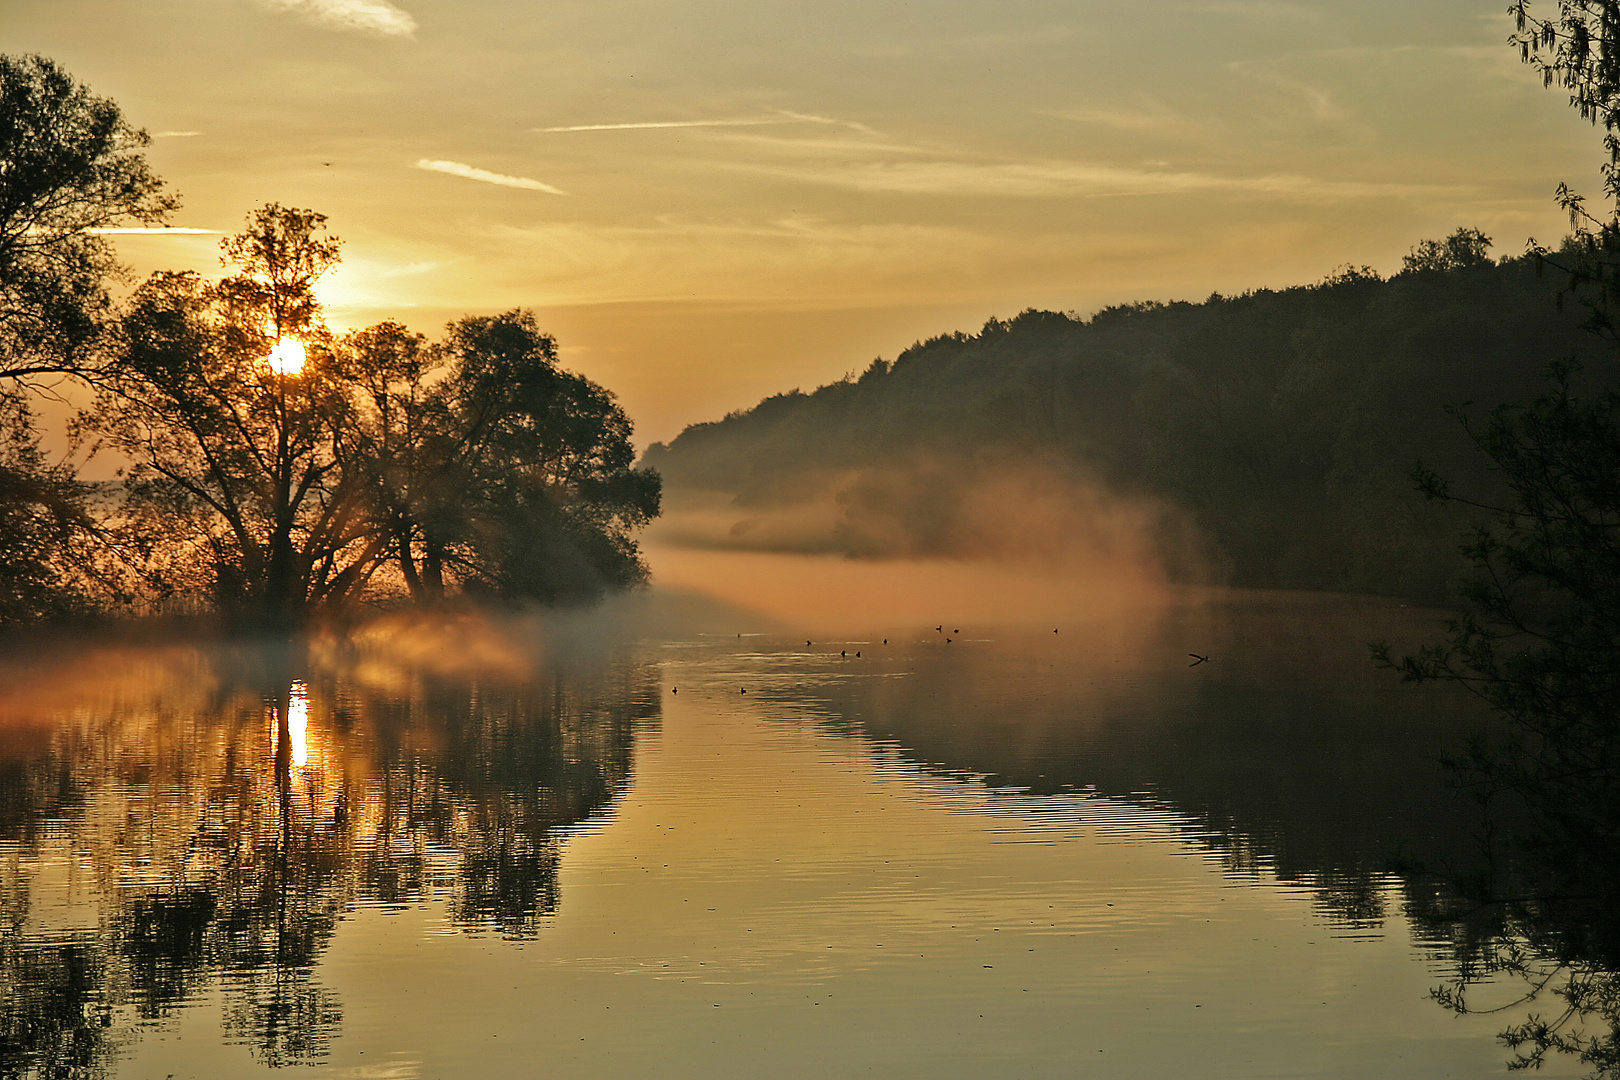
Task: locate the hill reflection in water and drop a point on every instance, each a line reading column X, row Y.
column 1287, row 752
column 181, row 818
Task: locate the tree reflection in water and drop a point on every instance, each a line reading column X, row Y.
column 1535, row 936
column 206, row 832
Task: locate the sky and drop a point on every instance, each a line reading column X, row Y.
column 710, row 201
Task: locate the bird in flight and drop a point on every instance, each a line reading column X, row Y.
column 1197, row 659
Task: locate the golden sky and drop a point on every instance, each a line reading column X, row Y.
column 713, row 200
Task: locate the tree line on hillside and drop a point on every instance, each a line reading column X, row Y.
column 1285, row 422
column 273, row 469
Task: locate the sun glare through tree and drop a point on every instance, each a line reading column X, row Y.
column 287, row 357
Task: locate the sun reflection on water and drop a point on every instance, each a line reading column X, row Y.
column 298, row 723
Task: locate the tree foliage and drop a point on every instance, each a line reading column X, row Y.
column 42, row 510
column 488, row 464
column 233, row 457
column 1539, row 639
column 471, row 464
column 70, row 164
column 1578, row 50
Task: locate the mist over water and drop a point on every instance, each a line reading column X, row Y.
column 1005, row 548
column 1033, row 511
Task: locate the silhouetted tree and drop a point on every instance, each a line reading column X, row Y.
column 1461, row 250
column 553, row 495
column 394, row 445
column 72, row 164
column 42, row 508
column 231, row 449
column 1578, row 50
column 69, row 164
column 1540, row 637
column 491, row 468
column 1540, row 642
column 473, row 464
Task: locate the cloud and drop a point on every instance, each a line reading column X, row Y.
column 783, row 117
column 377, row 17
column 1049, row 179
column 456, row 168
column 174, row 134
column 1318, row 99
column 644, row 125
column 137, row 231
column 1126, row 119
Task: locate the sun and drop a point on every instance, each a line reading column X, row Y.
column 287, row 358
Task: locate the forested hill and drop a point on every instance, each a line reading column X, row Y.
column 1279, row 428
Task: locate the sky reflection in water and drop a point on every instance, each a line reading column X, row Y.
column 524, row 850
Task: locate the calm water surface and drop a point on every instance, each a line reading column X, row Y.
column 468, row 849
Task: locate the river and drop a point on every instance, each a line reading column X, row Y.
column 684, row 837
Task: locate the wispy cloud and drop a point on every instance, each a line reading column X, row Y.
column 469, row 172
column 174, row 134
column 1318, row 99
column 1054, row 179
column 155, row 231
column 648, row 124
column 377, row 17
column 782, row 117
column 1153, row 119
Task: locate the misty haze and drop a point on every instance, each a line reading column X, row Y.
column 694, row 540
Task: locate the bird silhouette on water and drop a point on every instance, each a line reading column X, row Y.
column 1197, row 659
